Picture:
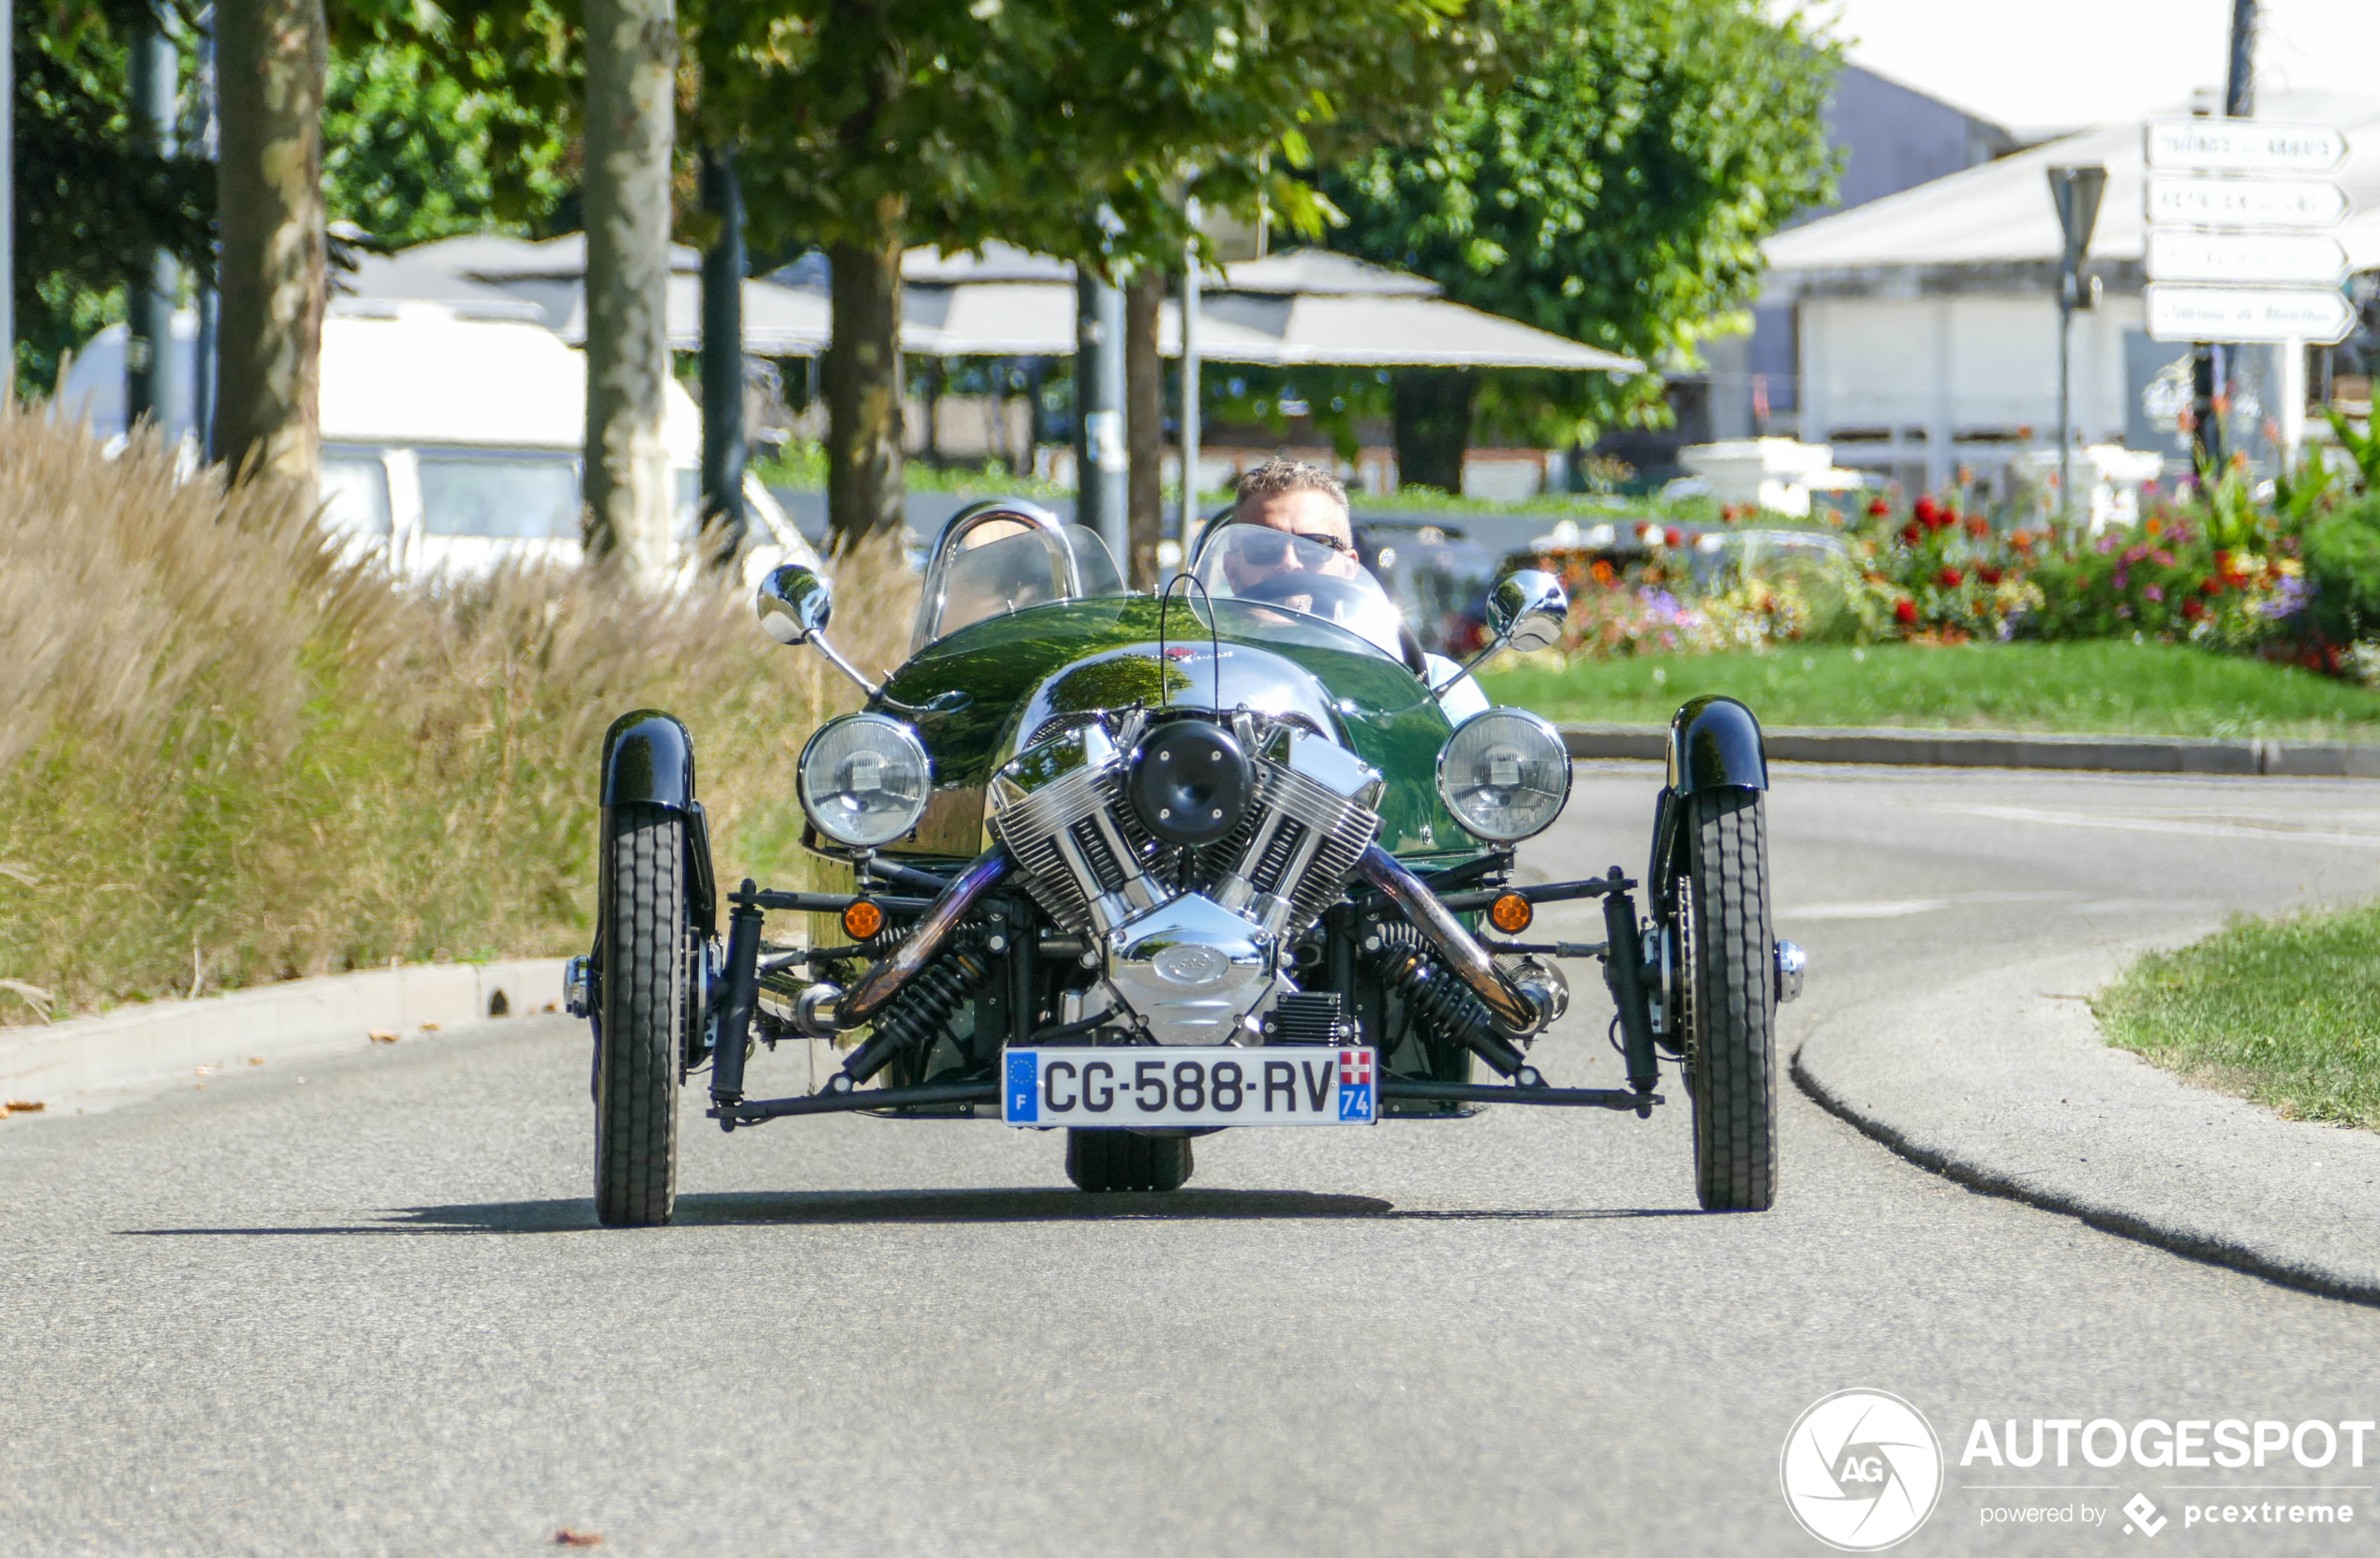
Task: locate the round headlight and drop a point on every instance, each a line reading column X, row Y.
column 1505, row 774
column 864, row 780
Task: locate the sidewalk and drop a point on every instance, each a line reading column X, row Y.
column 1988, row 749
column 2004, row 1084
column 164, row 1040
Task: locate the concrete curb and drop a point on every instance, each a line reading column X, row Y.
column 2013, row 1091
column 302, row 1018
column 2121, row 754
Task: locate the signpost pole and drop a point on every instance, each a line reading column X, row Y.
column 2210, row 374
column 2075, row 193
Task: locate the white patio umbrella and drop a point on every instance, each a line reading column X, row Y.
column 1301, row 307
column 779, row 321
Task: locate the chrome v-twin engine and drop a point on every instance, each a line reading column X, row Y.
column 1193, row 851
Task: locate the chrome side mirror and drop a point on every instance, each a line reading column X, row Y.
column 795, row 604
column 1526, row 610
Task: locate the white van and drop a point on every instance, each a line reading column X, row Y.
column 453, row 440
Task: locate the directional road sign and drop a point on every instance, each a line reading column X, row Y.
column 2246, row 259
column 2316, row 313
column 2243, row 146
column 2198, row 200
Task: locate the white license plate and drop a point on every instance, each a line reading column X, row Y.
column 1180, row 1085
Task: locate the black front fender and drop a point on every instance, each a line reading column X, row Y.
column 648, row 760
column 1714, row 744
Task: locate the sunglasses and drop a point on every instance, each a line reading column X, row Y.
column 1267, row 547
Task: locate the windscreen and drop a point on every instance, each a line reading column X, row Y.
column 1274, row 570
column 1004, row 566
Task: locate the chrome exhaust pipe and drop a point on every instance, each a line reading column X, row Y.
column 881, row 981
column 1513, row 1011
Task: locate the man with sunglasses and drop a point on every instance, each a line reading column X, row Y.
column 1305, row 502
column 1297, row 500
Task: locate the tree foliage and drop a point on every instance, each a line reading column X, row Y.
column 92, row 202
column 413, row 152
column 1063, row 125
column 1614, row 189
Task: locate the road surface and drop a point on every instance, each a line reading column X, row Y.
column 358, row 1307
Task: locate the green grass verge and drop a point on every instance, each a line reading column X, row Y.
column 2283, row 1012
column 2104, row 687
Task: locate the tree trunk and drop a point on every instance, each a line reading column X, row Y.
column 272, row 61
column 631, row 73
column 1144, row 382
column 863, row 393
column 1432, row 425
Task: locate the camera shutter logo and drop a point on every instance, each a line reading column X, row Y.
column 1860, row 1470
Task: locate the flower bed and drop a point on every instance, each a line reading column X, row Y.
column 2295, row 579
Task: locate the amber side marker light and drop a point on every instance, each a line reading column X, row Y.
column 862, row 920
column 1511, row 913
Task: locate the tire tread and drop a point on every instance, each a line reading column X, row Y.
column 644, row 1005
column 1734, row 1041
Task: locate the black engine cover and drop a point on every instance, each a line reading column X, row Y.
column 1189, row 782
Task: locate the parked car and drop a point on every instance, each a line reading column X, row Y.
column 452, row 442
column 1438, row 578
column 1148, row 867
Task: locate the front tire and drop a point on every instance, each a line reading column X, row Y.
column 1730, row 989
column 1117, row 1160
column 646, row 941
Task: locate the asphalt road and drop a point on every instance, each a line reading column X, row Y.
column 362, row 1308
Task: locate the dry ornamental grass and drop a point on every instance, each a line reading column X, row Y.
column 232, row 757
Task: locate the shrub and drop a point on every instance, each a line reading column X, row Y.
column 231, row 757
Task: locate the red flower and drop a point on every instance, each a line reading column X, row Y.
column 1911, row 534
column 1951, row 578
column 2192, row 610
column 1905, row 612
column 1878, row 508
column 1987, row 574
column 1926, row 509
column 2209, row 586
column 2022, row 539
column 1978, row 525
column 1673, row 536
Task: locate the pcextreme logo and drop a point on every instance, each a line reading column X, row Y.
column 1860, row 1470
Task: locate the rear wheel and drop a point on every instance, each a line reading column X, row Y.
column 1117, row 1160
column 1729, row 990
column 645, row 993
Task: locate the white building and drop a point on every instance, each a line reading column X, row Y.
column 1926, row 323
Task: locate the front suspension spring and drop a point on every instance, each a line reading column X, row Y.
column 1433, row 990
column 921, row 1014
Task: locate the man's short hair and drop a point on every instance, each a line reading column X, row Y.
column 1279, row 475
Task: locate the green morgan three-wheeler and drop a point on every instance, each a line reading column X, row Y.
column 1147, row 867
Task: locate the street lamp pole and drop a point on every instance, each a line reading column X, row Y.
column 1102, row 458
column 722, row 356
column 149, row 325
column 1190, row 429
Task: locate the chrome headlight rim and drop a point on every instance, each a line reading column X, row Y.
column 903, row 738
column 1540, row 726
